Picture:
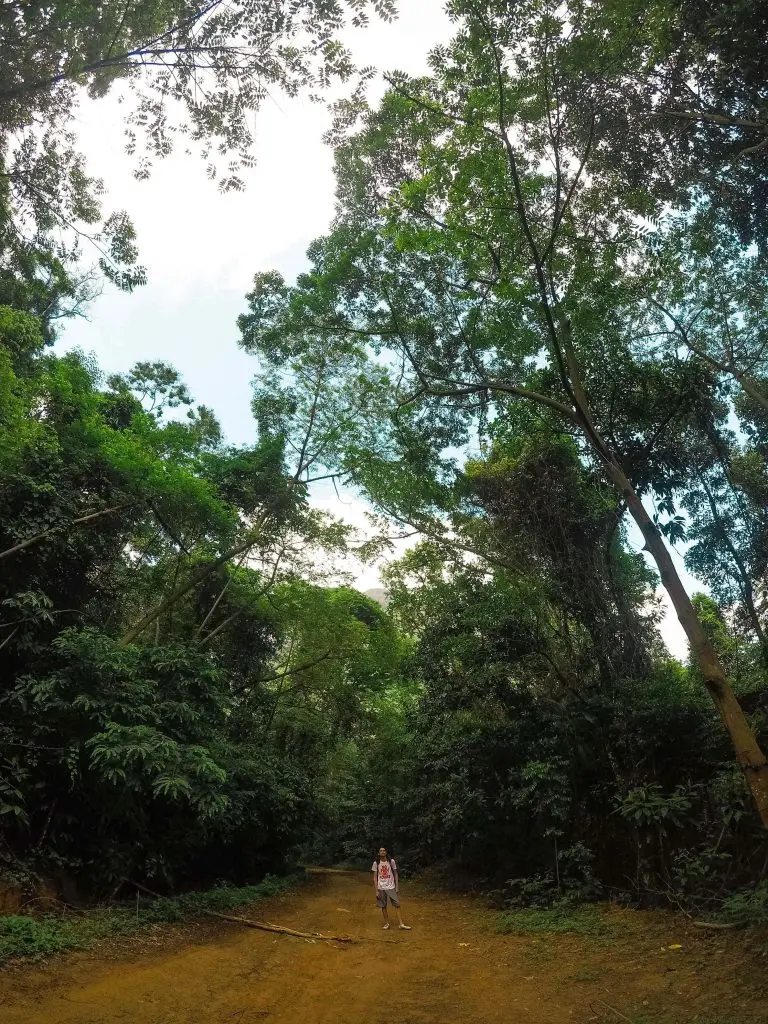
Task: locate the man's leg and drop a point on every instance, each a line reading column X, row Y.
column 395, row 901
column 381, row 899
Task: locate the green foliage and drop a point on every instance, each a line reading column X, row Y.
column 647, row 805
column 165, row 702
column 37, row 938
column 528, row 755
column 536, row 330
column 559, row 920
column 190, row 73
column 28, row 937
column 692, row 57
column 747, row 907
column 442, row 314
column 531, row 314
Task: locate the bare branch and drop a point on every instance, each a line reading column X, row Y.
column 724, row 119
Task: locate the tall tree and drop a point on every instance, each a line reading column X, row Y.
column 727, row 531
column 150, row 578
column 479, row 257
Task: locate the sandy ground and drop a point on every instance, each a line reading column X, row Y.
column 453, row 967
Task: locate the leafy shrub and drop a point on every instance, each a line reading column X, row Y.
column 30, row 937
column 750, row 906
column 562, row 919
column 40, row 937
column 574, row 882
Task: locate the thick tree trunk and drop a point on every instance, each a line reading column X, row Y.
column 748, row 753
column 751, row 390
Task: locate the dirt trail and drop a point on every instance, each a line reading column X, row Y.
column 452, row 967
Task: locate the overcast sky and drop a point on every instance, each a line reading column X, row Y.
column 202, row 249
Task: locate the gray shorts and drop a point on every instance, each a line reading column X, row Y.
column 384, row 895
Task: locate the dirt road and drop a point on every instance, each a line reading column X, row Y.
column 453, row 967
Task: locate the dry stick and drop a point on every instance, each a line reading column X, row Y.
column 10, row 637
column 614, row 1010
column 116, row 889
column 215, row 604
column 230, row 618
column 222, row 625
column 695, row 115
column 142, row 888
column 262, row 926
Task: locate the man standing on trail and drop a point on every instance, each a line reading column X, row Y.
column 386, row 885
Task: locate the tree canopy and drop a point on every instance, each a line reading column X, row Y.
column 533, row 339
column 484, row 254
column 192, row 75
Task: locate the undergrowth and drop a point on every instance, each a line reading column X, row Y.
column 748, row 907
column 564, row 919
column 37, row 937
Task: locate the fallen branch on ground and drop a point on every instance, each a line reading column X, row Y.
column 613, row 1010
column 719, row 925
column 265, row 926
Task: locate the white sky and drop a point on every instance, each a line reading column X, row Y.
column 202, row 248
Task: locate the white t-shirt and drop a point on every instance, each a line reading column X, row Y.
column 385, row 878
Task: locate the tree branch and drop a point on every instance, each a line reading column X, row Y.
column 694, row 115
column 53, row 529
column 463, row 391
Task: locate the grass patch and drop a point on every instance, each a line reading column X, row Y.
column 557, row 920
column 584, row 976
column 36, row 937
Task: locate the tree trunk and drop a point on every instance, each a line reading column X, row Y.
column 747, row 592
column 748, row 753
column 751, row 390
column 184, row 588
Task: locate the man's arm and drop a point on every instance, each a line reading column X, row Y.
column 375, row 873
column 397, row 878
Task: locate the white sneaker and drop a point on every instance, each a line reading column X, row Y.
column 385, row 927
column 406, row 927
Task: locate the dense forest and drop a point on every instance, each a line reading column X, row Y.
column 534, row 339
